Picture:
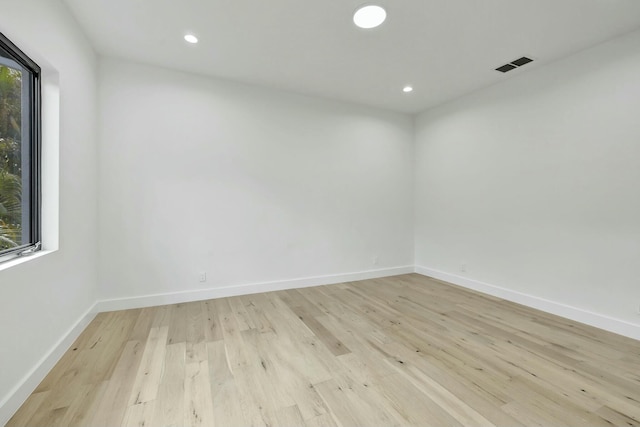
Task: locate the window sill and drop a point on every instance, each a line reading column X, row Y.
column 4, row 265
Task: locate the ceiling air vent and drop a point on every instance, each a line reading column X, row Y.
column 514, row 64
column 506, row 67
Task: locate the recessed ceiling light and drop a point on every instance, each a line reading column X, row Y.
column 190, row 38
column 407, row 89
column 369, row 16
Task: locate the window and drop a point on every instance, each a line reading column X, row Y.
column 19, row 152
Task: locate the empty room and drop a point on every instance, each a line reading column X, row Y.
column 336, row 213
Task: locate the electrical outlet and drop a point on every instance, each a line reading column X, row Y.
column 375, row 260
column 202, row 276
column 463, row 267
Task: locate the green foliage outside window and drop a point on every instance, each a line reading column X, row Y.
column 10, row 158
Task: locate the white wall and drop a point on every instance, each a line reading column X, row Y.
column 250, row 185
column 534, row 184
column 41, row 299
column 531, row 183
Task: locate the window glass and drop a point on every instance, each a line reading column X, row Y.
column 19, row 149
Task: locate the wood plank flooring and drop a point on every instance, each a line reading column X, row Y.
column 406, row 350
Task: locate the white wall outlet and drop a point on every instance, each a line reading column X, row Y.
column 375, row 260
column 202, row 276
column 463, row 267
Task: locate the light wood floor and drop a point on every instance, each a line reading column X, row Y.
column 405, row 350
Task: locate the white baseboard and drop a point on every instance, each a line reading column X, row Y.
column 251, row 288
column 601, row 321
column 17, row 396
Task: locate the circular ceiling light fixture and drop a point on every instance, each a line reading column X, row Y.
column 369, row 16
column 190, row 38
column 407, row 89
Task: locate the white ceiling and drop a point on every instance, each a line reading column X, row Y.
column 444, row 48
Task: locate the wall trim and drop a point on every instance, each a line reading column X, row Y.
column 12, row 401
column 601, row 321
column 19, row 394
column 244, row 289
